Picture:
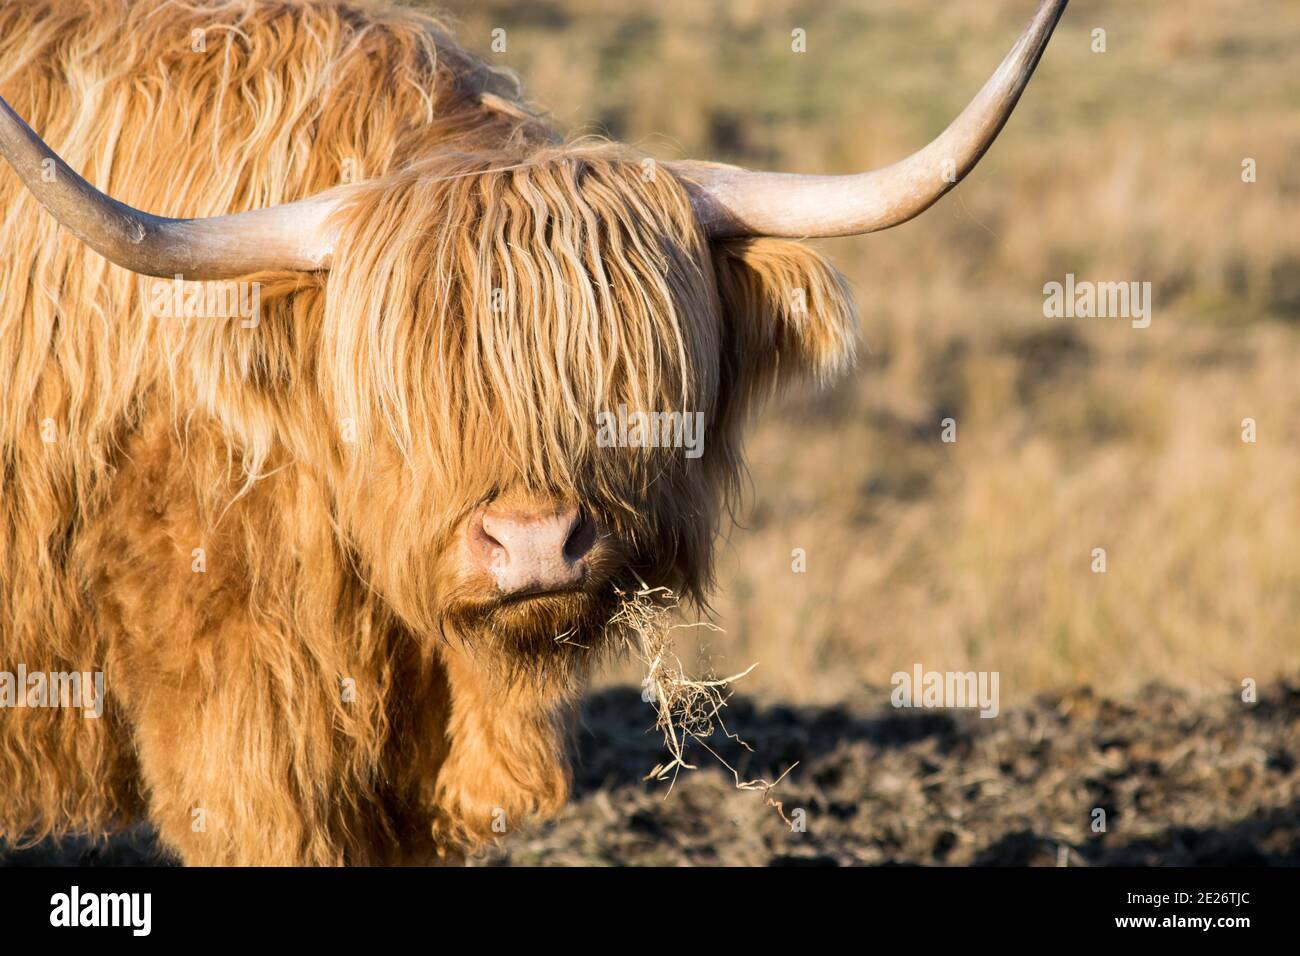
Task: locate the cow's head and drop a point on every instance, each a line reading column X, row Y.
column 546, row 360
column 548, row 365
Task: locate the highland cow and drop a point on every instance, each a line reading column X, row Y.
column 323, row 555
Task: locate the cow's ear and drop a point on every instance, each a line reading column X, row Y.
column 788, row 314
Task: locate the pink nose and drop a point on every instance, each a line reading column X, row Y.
column 532, row 551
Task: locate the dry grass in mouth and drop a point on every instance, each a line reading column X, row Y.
column 688, row 710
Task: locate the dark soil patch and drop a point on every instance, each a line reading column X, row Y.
column 1182, row 780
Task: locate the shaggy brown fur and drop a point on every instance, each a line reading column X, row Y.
column 492, row 291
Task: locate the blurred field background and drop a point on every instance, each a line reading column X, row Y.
column 1073, row 434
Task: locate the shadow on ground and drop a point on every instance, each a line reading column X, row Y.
column 1163, row 778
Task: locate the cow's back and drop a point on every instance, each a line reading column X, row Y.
column 184, row 110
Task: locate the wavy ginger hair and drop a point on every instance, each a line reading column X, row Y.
column 492, row 291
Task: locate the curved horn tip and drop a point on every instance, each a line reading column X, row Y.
column 731, row 202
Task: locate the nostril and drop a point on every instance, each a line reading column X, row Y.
column 486, row 546
column 582, row 535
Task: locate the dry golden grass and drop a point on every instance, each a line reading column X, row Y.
column 1073, row 434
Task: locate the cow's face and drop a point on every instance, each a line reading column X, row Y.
column 546, row 370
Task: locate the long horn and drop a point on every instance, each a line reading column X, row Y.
column 732, row 202
column 294, row 236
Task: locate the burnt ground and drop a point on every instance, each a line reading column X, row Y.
column 1183, row 780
